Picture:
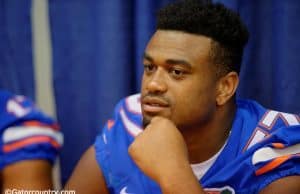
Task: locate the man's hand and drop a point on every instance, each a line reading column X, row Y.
column 161, row 153
column 159, row 149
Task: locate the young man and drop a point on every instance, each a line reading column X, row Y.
column 186, row 132
column 29, row 144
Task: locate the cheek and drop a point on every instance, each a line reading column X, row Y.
column 193, row 101
column 183, row 101
column 143, row 84
column 191, row 111
column 187, row 104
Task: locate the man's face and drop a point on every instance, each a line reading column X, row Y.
column 179, row 80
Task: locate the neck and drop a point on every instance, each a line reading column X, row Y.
column 205, row 141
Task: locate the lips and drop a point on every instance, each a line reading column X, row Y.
column 154, row 104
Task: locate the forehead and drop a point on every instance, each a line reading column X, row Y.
column 179, row 45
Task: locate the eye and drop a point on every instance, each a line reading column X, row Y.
column 149, row 68
column 177, row 73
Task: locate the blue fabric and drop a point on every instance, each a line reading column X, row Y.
column 271, row 59
column 235, row 167
column 16, row 113
column 97, row 59
column 16, row 70
column 97, row 51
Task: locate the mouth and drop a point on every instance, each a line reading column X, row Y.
column 154, row 105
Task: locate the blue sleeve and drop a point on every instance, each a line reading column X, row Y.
column 26, row 132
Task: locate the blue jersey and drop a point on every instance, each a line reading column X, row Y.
column 25, row 132
column 263, row 146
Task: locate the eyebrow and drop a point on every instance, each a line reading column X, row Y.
column 148, row 57
column 178, row 62
column 170, row 61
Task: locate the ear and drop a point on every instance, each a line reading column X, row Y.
column 226, row 87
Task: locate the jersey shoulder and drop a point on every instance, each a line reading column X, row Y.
column 264, row 145
column 112, row 143
column 127, row 118
column 259, row 123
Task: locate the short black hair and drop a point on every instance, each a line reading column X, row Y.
column 213, row 20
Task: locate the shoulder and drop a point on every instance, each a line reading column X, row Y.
column 274, row 144
column 265, row 143
column 266, row 126
column 112, row 143
column 127, row 118
column 260, row 122
column 269, row 118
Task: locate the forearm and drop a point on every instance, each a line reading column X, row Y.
column 31, row 174
column 181, row 181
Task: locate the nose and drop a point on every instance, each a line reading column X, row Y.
column 156, row 83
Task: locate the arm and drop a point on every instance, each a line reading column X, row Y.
column 30, row 141
column 181, row 180
column 29, row 174
column 161, row 153
column 87, row 178
column 290, row 184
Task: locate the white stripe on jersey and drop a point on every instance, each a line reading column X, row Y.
column 272, row 115
column 291, row 119
column 18, row 133
column 133, row 104
column 268, row 153
column 131, row 127
column 257, row 137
